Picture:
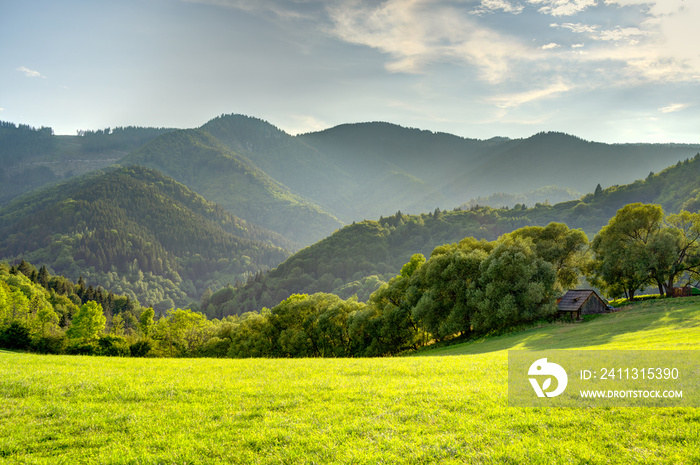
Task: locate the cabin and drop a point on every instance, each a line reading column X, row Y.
column 577, row 302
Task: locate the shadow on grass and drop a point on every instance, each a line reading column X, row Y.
column 646, row 316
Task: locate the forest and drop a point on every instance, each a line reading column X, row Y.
column 139, row 232
column 357, row 259
column 462, row 290
column 192, row 250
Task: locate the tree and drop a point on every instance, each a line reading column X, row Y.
column 564, row 248
column 394, row 326
column 146, row 321
column 623, row 250
column 441, row 290
column 515, row 286
column 687, row 251
column 87, row 323
column 47, row 317
column 183, row 331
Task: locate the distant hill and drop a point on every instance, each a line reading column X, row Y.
column 138, row 232
column 33, row 157
column 379, row 248
column 200, row 161
column 446, row 171
column 305, row 187
column 570, row 162
column 548, row 195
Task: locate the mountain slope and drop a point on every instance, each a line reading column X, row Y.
column 198, row 160
column 134, row 221
column 358, row 251
column 31, row 158
column 570, row 162
column 449, row 170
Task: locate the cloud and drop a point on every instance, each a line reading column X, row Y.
column 301, row 124
column 641, row 41
column 674, row 107
column 618, row 34
column 493, row 6
column 517, row 99
column 419, row 33
column 562, row 7
column 30, row 72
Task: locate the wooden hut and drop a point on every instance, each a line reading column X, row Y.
column 577, row 302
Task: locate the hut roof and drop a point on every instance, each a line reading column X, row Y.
column 574, row 299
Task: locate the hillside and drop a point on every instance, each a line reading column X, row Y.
column 31, row 157
column 138, row 232
column 447, row 409
column 570, row 162
column 655, row 324
column 344, row 262
column 198, row 160
column 416, row 170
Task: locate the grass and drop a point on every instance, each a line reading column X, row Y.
column 447, row 406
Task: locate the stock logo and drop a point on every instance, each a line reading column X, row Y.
column 543, row 368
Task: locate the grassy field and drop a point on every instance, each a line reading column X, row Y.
column 448, row 405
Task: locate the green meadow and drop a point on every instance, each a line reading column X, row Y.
column 446, row 405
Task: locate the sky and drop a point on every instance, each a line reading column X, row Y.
column 612, row 71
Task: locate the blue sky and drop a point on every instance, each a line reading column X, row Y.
column 604, row 70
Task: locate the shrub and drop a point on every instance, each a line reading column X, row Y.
column 82, row 347
column 15, row 336
column 140, row 348
column 52, row 344
column 113, row 346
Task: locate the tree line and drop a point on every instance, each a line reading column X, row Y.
column 466, row 289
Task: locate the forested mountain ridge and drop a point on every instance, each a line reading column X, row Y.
column 359, row 257
column 306, row 186
column 118, row 225
column 459, row 169
column 32, row 157
column 197, row 159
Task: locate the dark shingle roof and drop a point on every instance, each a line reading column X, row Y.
column 574, row 299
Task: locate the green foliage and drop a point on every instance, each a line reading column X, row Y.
column 200, row 161
column 562, row 247
column 15, row 336
column 113, row 346
column 140, row 348
column 87, row 323
column 637, row 248
column 448, row 406
column 146, row 321
column 135, row 223
column 516, row 286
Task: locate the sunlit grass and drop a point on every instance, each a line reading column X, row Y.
column 447, row 409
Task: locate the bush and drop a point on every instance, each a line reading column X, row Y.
column 50, row 344
column 15, row 336
column 215, row 347
column 113, row 346
column 140, row 348
column 82, row 347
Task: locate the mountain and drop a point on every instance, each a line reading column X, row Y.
column 200, row 161
column 135, row 231
column 445, row 170
column 306, row 186
column 570, row 162
column 363, row 255
column 31, row 157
